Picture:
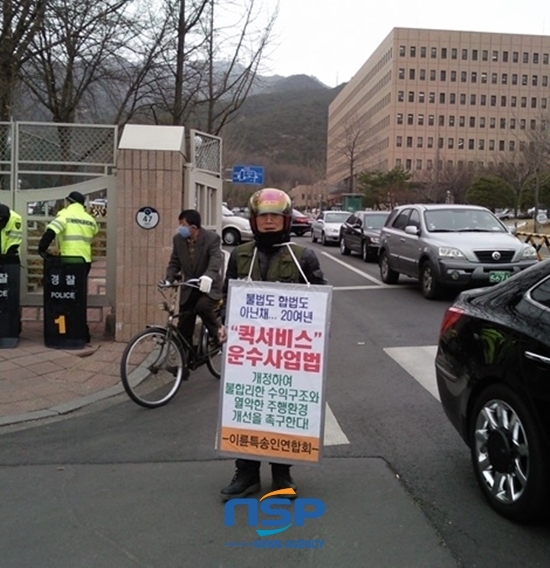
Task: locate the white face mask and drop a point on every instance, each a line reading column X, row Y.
column 183, row 231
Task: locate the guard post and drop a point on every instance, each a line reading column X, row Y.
column 10, row 310
column 65, row 302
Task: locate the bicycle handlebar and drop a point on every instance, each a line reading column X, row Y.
column 192, row 283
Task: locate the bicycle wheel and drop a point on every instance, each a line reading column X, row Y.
column 214, row 354
column 152, row 367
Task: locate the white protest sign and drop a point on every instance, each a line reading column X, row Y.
column 275, row 362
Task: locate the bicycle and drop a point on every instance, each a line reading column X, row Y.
column 155, row 360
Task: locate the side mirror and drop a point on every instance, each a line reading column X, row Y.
column 412, row 230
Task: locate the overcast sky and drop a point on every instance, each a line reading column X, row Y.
column 331, row 39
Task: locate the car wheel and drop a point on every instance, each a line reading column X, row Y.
column 428, row 283
column 313, row 237
column 365, row 252
column 509, row 455
column 387, row 275
column 343, row 248
column 323, row 239
column 231, row 237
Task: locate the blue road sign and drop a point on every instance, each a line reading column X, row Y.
column 252, row 175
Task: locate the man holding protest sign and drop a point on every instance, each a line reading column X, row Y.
column 269, row 258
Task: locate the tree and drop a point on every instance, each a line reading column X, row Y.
column 387, row 189
column 491, row 192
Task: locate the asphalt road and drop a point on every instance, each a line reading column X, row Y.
column 118, row 485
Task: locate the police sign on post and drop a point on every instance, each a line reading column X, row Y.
column 250, row 175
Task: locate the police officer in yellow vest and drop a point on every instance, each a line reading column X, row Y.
column 11, row 231
column 74, row 228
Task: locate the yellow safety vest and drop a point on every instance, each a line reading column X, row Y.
column 12, row 233
column 75, row 229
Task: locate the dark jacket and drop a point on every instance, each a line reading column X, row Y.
column 208, row 261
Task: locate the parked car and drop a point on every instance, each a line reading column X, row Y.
column 326, row 227
column 301, row 224
column 447, row 245
column 235, row 229
column 361, row 233
column 493, row 369
column 505, row 214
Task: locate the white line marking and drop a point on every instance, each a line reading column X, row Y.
column 419, row 363
column 334, row 435
column 356, row 270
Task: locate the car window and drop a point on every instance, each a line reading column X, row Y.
column 464, row 220
column 402, row 220
column 336, row 217
column 227, row 212
column 375, row 221
column 541, row 293
column 415, row 219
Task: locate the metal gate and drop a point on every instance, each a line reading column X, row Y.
column 40, row 164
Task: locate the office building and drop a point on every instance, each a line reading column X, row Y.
column 432, row 99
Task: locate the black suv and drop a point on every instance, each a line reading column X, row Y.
column 361, row 233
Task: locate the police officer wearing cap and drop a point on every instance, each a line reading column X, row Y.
column 11, row 231
column 74, row 228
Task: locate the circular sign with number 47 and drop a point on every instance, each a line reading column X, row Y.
column 147, row 217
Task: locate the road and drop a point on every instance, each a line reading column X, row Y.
column 118, row 485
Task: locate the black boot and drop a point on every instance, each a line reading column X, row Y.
column 281, row 478
column 244, row 482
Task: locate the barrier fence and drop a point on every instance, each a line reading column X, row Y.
column 537, row 240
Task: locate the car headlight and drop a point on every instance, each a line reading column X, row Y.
column 374, row 240
column 450, row 252
column 529, row 253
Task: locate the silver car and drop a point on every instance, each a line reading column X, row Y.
column 326, row 228
column 235, row 229
column 447, row 246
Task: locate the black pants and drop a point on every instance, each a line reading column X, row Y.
column 254, row 465
column 198, row 305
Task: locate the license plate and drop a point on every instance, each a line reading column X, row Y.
column 496, row 276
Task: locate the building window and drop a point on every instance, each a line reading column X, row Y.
column 491, row 144
column 443, row 75
column 522, row 145
column 419, row 142
column 412, row 51
column 433, row 52
column 533, row 102
column 495, row 55
column 462, row 98
column 400, row 96
column 493, row 100
column 451, row 143
column 503, row 123
column 454, row 53
column 512, row 124
column 523, row 102
column 409, row 141
column 545, row 80
column 402, row 51
column 430, row 142
column 429, row 164
column 421, row 96
column 452, row 99
column 481, row 144
column 431, row 120
column 524, row 80
column 408, row 164
column 484, row 77
column 474, row 54
column 522, row 124
column 463, row 76
column 442, row 98
column 411, row 74
column 461, row 121
column 431, row 97
column 440, row 143
column 494, row 78
column 513, row 101
column 515, row 56
column 543, row 102
column 441, row 120
column 472, row 122
column 420, row 120
column 461, row 143
column 418, row 164
column 432, row 75
column 534, row 80
column 482, row 122
column 411, row 96
column 503, row 100
column 399, row 141
column 410, row 119
column 422, row 74
column 471, row 144
column 492, row 122
column 525, row 57
column 505, row 56
column 484, row 55
column 545, row 58
column 451, row 120
column 473, row 77
column 401, row 73
column 472, row 99
column 399, row 118
column 535, row 58
column 482, row 100
column 464, row 54
column 533, row 124
column 398, row 162
column 512, row 145
column 501, row 145
column 423, row 51
column 514, row 79
column 504, row 79
column 443, row 53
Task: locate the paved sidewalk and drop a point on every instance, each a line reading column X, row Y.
column 39, row 382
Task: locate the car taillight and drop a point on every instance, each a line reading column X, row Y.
column 452, row 315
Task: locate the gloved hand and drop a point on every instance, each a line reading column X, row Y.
column 205, row 284
column 164, row 283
